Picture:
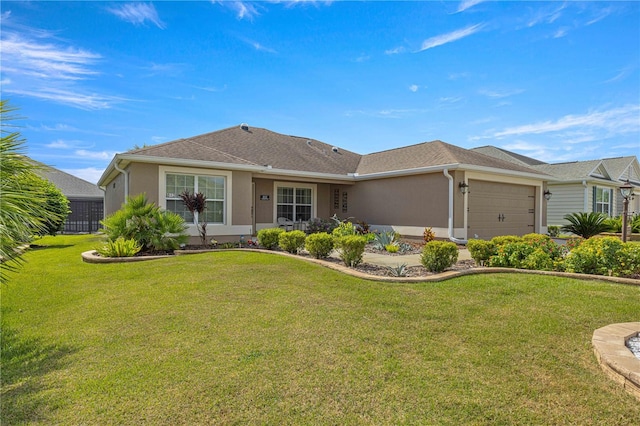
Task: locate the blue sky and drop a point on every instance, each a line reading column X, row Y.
column 558, row 81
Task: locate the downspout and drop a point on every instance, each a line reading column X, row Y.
column 450, row 220
column 126, row 180
column 586, row 196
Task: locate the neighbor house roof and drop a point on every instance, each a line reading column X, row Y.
column 69, row 185
column 623, row 168
column 503, row 154
column 576, row 170
column 429, row 154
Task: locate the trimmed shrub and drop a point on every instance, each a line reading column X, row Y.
column 292, row 241
column 319, row 245
column 351, row 249
column 119, row 248
column 539, row 260
column 151, row 227
column 505, row 239
column 269, row 237
column 481, row 250
column 595, row 256
column 628, row 260
column 317, row 225
column 439, row 255
column 343, row 229
column 392, row 248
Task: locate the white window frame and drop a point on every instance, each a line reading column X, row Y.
column 598, row 205
column 296, row 185
column 227, row 175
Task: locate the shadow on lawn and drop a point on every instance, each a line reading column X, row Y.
column 24, row 363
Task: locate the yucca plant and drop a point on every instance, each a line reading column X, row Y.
column 586, row 225
column 398, row 270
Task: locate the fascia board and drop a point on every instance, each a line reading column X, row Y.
column 405, row 172
column 537, row 176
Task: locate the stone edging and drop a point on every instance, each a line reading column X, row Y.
column 615, row 358
column 92, row 257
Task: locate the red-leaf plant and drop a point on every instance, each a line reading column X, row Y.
column 196, row 202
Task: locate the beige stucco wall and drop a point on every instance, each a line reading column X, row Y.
column 144, row 178
column 241, row 202
column 114, row 195
column 419, row 200
column 264, row 208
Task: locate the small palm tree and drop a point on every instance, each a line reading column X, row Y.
column 586, row 225
column 197, row 202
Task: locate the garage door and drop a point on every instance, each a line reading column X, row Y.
column 500, row 209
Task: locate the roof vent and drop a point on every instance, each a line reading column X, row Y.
column 334, row 149
column 308, row 142
column 244, row 126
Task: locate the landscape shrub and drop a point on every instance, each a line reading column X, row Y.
column 505, row 239
column 628, row 260
column 351, row 248
column 511, row 255
column 586, row 225
column 614, row 224
column 383, row 239
column 344, row 229
column 554, row 231
column 319, row 245
column 532, row 251
column 392, row 248
column 269, row 237
column 292, row 241
column 480, row 250
column 595, row 256
column 539, row 260
column 147, row 224
column 317, row 225
column 119, row 248
column 428, row 235
column 439, row 255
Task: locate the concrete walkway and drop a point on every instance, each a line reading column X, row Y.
column 408, row 259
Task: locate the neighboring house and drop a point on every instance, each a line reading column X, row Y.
column 86, row 200
column 253, row 176
column 582, row 186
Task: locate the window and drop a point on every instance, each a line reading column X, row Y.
column 294, row 203
column 602, row 200
column 213, row 188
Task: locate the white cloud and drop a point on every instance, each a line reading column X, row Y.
column 561, row 32
column 362, row 58
column 94, row 155
column 499, row 94
column 86, row 101
column 449, row 37
column 90, row 174
column 138, row 14
column 395, row 50
column 414, row 88
column 466, row 4
column 613, row 121
column 243, row 9
column 59, row 144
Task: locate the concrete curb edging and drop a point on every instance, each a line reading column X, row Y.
column 93, row 257
column 615, row 358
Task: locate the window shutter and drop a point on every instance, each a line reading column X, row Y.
column 593, row 204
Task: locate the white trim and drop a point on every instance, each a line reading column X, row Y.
column 227, row 227
column 293, row 184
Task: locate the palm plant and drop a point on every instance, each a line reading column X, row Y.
column 586, row 225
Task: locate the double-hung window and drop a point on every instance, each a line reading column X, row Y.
column 602, row 200
column 294, row 203
column 213, row 188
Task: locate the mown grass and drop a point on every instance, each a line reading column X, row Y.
column 250, row 338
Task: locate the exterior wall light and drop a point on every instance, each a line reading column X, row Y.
column 626, row 191
column 547, row 194
column 464, row 187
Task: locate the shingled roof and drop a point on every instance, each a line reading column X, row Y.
column 69, row 185
column 430, row 154
column 258, row 147
column 251, row 147
column 506, row 155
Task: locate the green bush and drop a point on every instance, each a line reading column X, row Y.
column 595, row 256
column 554, row 231
column 586, row 225
column 628, row 259
column 147, row 224
column 539, row 260
column 511, row 255
column 344, row 229
column 481, row 250
column 533, row 251
column 439, row 255
column 319, row 245
column 635, row 224
column 614, row 224
column 505, row 239
column 269, row 237
column 351, row 249
column 292, row 241
column 392, row 248
column 119, row 248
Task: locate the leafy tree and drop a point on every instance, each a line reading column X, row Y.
column 144, row 222
column 24, row 198
column 56, row 204
column 586, row 225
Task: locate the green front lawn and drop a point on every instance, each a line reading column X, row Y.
column 251, row 338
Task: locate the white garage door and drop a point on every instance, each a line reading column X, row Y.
column 500, row 209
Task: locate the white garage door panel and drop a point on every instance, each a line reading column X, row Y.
column 500, row 209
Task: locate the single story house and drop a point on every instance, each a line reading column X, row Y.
column 86, row 200
column 253, row 176
column 582, row 186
